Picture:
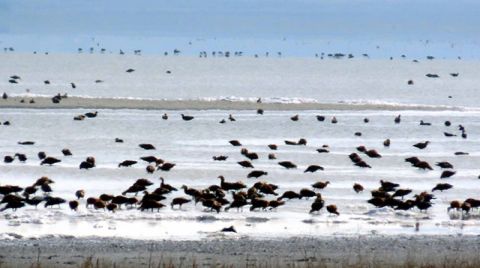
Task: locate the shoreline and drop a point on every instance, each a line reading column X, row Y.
column 237, row 251
column 144, row 104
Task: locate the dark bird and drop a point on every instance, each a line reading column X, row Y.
column 73, row 205
column 165, row 116
column 447, row 134
column 272, row 156
column 13, row 81
column 166, row 166
column 220, row 158
column 300, row 142
column 421, row 145
column 447, row 123
column 112, row 207
column 432, row 75
column 442, row 187
column 461, row 153
column 245, row 164
column 86, row 165
column 312, row 168
column 454, row 205
column 397, row 119
column 357, row 188
column 50, row 161
column 235, row 143
column 454, row 74
column 91, row 114
column 422, row 123
column 373, row 154
column 187, row 117
column 334, row 120
column 447, row 174
column 127, row 163
column 412, row 160
column 150, row 169
column 388, row 186
column 444, row 165
column 80, row 194
column 273, row 146
column 320, row 184
column 401, row 193
column 73, row 85
column 52, row 201
column 8, row 159
column 332, row 209
column 149, row 159
column 256, row 174
column 287, row 164
column 386, row 143
column 320, row 118
column 227, row 186
column 151, row 205
column 361, row 148
column 323, row 150
column 66, row 152
column 366, row 120
column 130, row 70
column 294, row 118
column 118, row 140
column 46, row 82
column 147, row 146
column 290, row 195
column 423, row 165
column 179, row 201
column 230, row 117
column 362, row 164
column 229, row 229
column 317, row 205
column 260, row 111
column 26, row 142
column 307, row 193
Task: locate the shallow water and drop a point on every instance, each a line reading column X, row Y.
column 191, row 146
column 293, row 80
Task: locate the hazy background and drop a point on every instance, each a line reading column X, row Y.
column 295, row 27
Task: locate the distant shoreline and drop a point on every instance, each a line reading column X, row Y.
column 119, row 103
column 236, row 251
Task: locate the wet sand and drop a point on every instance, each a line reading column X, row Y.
column 232, row 250
column 119, row 103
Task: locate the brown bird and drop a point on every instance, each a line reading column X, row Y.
column 442, row 187
column 273, row 146
column 447, row 174
column 179, row 201
column 127, row 163
column 318, row 204
column 80, row 194
column 386, row 143
column 245, row 164
column 357, row 188
column 332, row 209
column 147, row 146
column 166, row 166
column 287, row 164
column 320, row 185
column 235, row 143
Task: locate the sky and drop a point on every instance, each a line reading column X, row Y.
column 344, row 20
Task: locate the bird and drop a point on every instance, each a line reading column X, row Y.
column 287, row 164
column 166, row 166
column 165, row 116
column 187, row 117
column 130, row 70
column 447, row 174
column 444, row 165
column 179, row 201
column 230, row 229
column 80, row 194
column 91, row 114
column 357, row 187
column 307, row 193
column 295, row 117
column 397, row 119
column 50, row 161
column 386, row 143
column 245, row 164
column 256, row 174
column 66, row 152
column 127, row 163
column 333, row 209
column 220, row 158
column 421, row 145
column 73, row 205
column 235, row 143
column 320, row 184
column 147, row 146
column 313, row 168
column 442, row 187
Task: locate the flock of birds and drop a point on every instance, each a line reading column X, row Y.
column 261, row 195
